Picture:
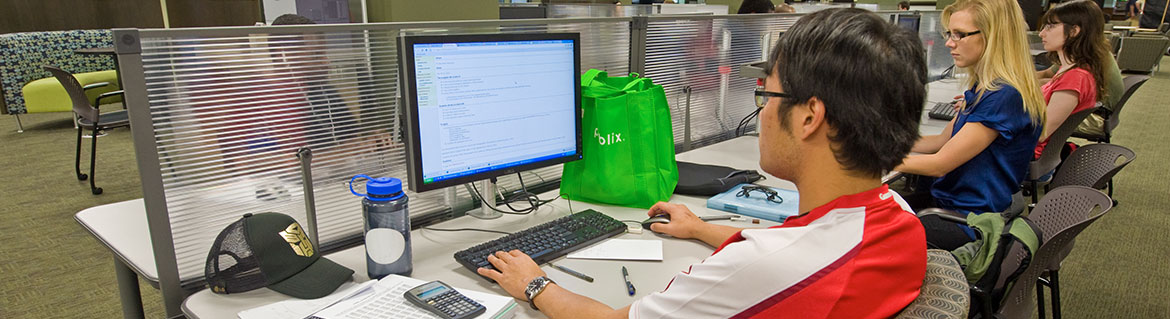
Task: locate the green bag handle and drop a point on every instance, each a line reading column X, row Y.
column 590, row 77
column 600, row 89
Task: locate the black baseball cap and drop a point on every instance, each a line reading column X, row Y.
column 271, row 250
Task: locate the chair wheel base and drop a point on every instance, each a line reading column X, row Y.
column 82, row 177
column 97, row 191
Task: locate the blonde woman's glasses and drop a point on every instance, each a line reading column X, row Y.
column 958, row 35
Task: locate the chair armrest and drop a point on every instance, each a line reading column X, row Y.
column 98, row 101
column 94, row 85
column 945, row 214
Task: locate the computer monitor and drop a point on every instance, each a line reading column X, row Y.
column 486, row 105
column 908, row 21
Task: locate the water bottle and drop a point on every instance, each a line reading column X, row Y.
column 387, row 230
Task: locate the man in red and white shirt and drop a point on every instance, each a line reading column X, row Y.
column 845, row 92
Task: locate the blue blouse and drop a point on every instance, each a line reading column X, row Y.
column 986, row 182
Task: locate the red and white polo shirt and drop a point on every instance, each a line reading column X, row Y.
column 859, row 256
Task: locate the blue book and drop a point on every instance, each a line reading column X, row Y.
column 756, row 204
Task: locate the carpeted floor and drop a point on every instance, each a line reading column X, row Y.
column 54, row 269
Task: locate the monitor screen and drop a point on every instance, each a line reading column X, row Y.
column 909, row 21
column 481, row 106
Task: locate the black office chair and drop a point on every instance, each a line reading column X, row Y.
column 1050, row 156
column 88, row 117
column 1112, row 118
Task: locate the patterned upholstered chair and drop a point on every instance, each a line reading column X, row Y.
column 944, row 292
column 27, row 88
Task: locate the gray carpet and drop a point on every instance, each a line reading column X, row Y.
column 54, row 269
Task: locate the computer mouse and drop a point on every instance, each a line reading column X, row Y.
column 660, row 218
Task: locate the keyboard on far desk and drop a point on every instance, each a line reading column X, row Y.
column 547, row 241
column 943, row 111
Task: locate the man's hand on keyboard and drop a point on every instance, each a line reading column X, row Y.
column 514, row 270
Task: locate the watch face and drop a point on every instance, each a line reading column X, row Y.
column 535, row 285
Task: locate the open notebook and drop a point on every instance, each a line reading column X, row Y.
column 375, row 299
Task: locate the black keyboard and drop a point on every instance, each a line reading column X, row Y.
column 942, row 111
column 547, row 241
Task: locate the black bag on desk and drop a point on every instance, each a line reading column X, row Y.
column 709, row 180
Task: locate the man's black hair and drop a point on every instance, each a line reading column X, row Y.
column 904, row 5
column 755, row 6
column 871, row 76
column 291, row 19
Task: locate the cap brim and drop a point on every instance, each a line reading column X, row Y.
column 318, row 280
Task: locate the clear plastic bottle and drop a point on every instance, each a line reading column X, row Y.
column 387, row 227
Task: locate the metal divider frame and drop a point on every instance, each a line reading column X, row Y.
column 129, row 50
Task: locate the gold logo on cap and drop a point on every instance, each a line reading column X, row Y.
column 297, row 239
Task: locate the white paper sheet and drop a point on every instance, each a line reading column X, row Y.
column 379, row 299
column 622, row 249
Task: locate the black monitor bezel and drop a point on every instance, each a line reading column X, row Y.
column 897, row 20
column 410, row 91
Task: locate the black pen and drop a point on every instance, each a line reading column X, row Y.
column 574, row 273
column 626, row 276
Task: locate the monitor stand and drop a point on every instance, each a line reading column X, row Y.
column 488, row 195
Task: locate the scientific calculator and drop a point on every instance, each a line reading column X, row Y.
column 444, row 301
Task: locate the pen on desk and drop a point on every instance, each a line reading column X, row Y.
column 629, row 285
column 573, row 272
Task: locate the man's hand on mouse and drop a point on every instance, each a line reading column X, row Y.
column 683, row 223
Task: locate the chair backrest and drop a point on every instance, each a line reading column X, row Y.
column 1139, row 53
column 1092, row 165
column 1114, row 41
column 1050, row 156
column 81, row 104
column 944, row 292
column 1132, row 83
column 1062, row 214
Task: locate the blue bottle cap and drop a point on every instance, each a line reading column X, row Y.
column 379, row 189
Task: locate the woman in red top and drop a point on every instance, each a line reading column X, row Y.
column 1073, row 35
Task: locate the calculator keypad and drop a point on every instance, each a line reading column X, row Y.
column 454, row 304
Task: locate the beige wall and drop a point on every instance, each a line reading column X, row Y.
column 432, row 10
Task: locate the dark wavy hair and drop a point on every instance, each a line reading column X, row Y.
column 871, row 75
column 1087, row 48
column 755, row 6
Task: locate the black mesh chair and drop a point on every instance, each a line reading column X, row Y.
column 1061, row 215
column 944, row 290
column 1093, row 166
column 89, row 117
column 1112, row 118
column 1050, row 156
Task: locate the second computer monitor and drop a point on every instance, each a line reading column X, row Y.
column 481, row 106
column 908, row 21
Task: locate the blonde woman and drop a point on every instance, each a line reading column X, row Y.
column 982, row 156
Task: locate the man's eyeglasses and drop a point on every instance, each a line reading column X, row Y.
column 772, row 196
column 762, row 96
column 958, row 35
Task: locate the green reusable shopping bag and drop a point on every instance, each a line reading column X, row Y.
column 628, row 143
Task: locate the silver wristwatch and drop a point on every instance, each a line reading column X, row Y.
column 535, row 287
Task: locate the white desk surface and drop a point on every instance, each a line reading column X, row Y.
column 123, row 228
column 433, row 250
